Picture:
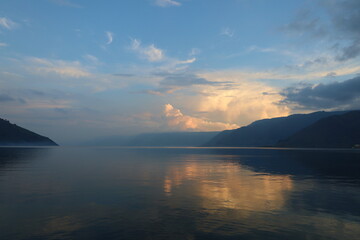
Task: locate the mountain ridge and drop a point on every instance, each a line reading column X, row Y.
column 267, row 132
column 14, row 135
column 337, row 131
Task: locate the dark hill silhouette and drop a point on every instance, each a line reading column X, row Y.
column 338, row 131
column 266, row 132
column 13, row 135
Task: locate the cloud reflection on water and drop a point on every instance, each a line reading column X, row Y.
column 229, row 185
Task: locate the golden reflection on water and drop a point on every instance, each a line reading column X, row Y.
column 229, row 185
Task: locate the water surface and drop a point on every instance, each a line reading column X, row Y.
column 179, row 193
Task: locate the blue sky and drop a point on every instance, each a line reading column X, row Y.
column 75, row 70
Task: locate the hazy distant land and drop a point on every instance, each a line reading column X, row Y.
column 317, row 129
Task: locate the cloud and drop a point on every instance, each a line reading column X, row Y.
column 345, row 16
column 167, row 3
column 337, row 28
column 110, row 37
column 242, row 101
column 178, row 121
column 172, row 82
column 150, row 52
column 91, row 59
column 259, row 49
column 191, row 60
column 59, row 67
column 227, row 32
column 3, row 44
column 6, row 98
column 123, row 74
column 7, row 23
column 336, row 95
column 305, row 24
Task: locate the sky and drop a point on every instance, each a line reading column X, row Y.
column 75, row 70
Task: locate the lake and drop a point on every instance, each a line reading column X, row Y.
column 179, row 193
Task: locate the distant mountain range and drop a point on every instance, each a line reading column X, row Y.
column 167, row 139
column 13, row 135
column 318, row 129
column 337, row 131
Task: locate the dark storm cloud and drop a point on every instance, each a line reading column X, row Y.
column 325, row 96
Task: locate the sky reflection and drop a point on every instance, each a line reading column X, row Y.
column 70, row 193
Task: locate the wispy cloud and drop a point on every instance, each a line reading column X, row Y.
column 3, row 44
column 227, row 32
column 91, row 58
column 7, row 23
column 59, row 67
column 167, row 3
column 110, row 37
column 259, row 49
column 150, row 52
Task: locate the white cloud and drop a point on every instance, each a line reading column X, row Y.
column 191, row 60
column 167, row 3
column 227, row 32
column 153, row 54
column 176, row 120
column 241, row 102
column 110, row 37
column 7, row 23
column 3, row 44
column 150, row 52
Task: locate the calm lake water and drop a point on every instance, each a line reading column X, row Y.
column 179, row 193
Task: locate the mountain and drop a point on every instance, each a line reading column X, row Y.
column 13, row 135
column 338, row 131
column 267, row 132
column 167, row 139
column 175, row 139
